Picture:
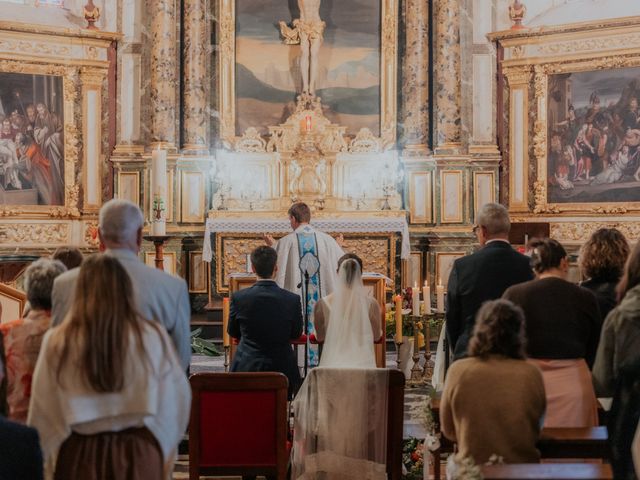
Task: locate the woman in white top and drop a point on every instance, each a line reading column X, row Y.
column 109, row 398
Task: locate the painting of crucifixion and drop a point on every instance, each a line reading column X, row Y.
column 319, row 48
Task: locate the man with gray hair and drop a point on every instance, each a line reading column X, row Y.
column 158, row 295
column 482, row 276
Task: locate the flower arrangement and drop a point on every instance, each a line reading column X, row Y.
column 200, row 346
column 412, row 459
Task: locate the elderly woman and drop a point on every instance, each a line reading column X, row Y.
column 508, row 419
column 602, row 260
column 563, row 328
column 22, row 337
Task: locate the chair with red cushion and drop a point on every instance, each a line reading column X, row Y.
column 238, row 424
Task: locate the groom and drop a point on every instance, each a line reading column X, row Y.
column 306, row 262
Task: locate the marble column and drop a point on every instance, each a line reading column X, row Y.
column 163, row 81
column 447, row 73
column 415, row 78
column 195, row 122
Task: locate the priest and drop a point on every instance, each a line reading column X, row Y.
column 307, row 260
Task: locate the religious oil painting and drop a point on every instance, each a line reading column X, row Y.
column 31, row 139
column 326, row 48
column 594, row 136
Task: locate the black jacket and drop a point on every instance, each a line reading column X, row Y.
column 265, row 318
column 476, row 278
column 20, row 455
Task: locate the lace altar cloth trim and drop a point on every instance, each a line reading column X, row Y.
column 341, row 225
column 337, row 466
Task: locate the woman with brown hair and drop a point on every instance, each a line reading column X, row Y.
column 563, row 328
column 508, row 419
column 602, row 260
column 109, row 398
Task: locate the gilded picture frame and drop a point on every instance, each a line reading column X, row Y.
column 541, row 141
column 70, row 76
column 388, row 69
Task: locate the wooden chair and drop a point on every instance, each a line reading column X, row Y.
column 238, row 424
column 395, row 419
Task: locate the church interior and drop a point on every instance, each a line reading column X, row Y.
column 395, row 121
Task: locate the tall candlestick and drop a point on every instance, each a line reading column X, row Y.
column 426, row 294
column 415, row 300
column 440, row 296
column 307, row 123
column 398, row 302
column 159, row 192
column 225, row 322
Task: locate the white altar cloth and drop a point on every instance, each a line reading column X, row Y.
column 273, row 225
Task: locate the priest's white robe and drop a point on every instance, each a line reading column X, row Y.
column 289, row 274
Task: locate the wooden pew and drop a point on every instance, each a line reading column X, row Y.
column 548, row 471
column 590, row 442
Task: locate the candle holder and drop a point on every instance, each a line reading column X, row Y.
column 416, row 372
column 226, row 349
column 158, row 242
column 398, row 343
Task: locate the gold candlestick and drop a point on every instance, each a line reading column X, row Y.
column 226, row 358
column 416, row 372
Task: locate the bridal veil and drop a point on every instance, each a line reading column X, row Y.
column 340, row 411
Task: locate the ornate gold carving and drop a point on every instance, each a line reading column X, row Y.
column 23, row 46
column 580, row 232
column 517, row 75
column 373, row 251
column 587, row 44
column 251, row 141
column 10, row 211
column 91, row 234
column 517, row 51
column 30, row 233
column 540, row 139
column 365, row 142
column 610, row 210
column 540, row 198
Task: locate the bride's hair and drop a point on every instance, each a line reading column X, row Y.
column 351, row 269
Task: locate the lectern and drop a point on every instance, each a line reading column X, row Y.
column 374, row 283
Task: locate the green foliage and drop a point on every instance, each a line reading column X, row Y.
column 200, row 346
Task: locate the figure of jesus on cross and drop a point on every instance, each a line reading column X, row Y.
column 308, row 32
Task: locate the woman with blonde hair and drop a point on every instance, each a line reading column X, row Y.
column 109, row 398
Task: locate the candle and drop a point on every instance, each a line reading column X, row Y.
column 225, row 322
column 398, row 302
column 440, row 296
column 159, row 192
column 426, row 294
column 415, row 300
column 307, row 123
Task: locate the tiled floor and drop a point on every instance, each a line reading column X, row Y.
column 414, row 404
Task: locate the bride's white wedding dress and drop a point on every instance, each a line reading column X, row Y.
column 340, row 412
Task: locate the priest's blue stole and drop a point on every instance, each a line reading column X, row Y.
column 310, row 262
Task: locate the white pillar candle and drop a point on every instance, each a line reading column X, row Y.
column 426, row 295
column 440, row 296
column 415, row 300
column 159, row 192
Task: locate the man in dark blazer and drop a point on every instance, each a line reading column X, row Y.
column 482, row 276
column 265, row 318
column 20, row 454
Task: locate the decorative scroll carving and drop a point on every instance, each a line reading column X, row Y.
column 517, row 75
column 91, row 234
column 580, row 232
column 365, row 142
column 23, row 46
column 30, row 233
column 586, row 44
column 540, row 198
column 251, row 141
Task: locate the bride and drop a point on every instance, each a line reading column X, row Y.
column 340, row 411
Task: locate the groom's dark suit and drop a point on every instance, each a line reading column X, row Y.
column 265, row 318
column 476, row 278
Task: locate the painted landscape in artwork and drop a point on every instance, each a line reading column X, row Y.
column 594, row 137
column 268, row 72
column 31, row 140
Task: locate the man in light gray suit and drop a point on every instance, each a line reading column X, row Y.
column 158, row 295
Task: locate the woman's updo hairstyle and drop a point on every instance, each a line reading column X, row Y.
column 546, row 254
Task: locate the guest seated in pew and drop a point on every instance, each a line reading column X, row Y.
column 493, row 402
column 109, row 396
column 602, row 260
column 71, row 256
column 20, row 454
column 322, row 309
column 563, row 324
column 265, row 318
column 21, row 338
column 616, row 372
